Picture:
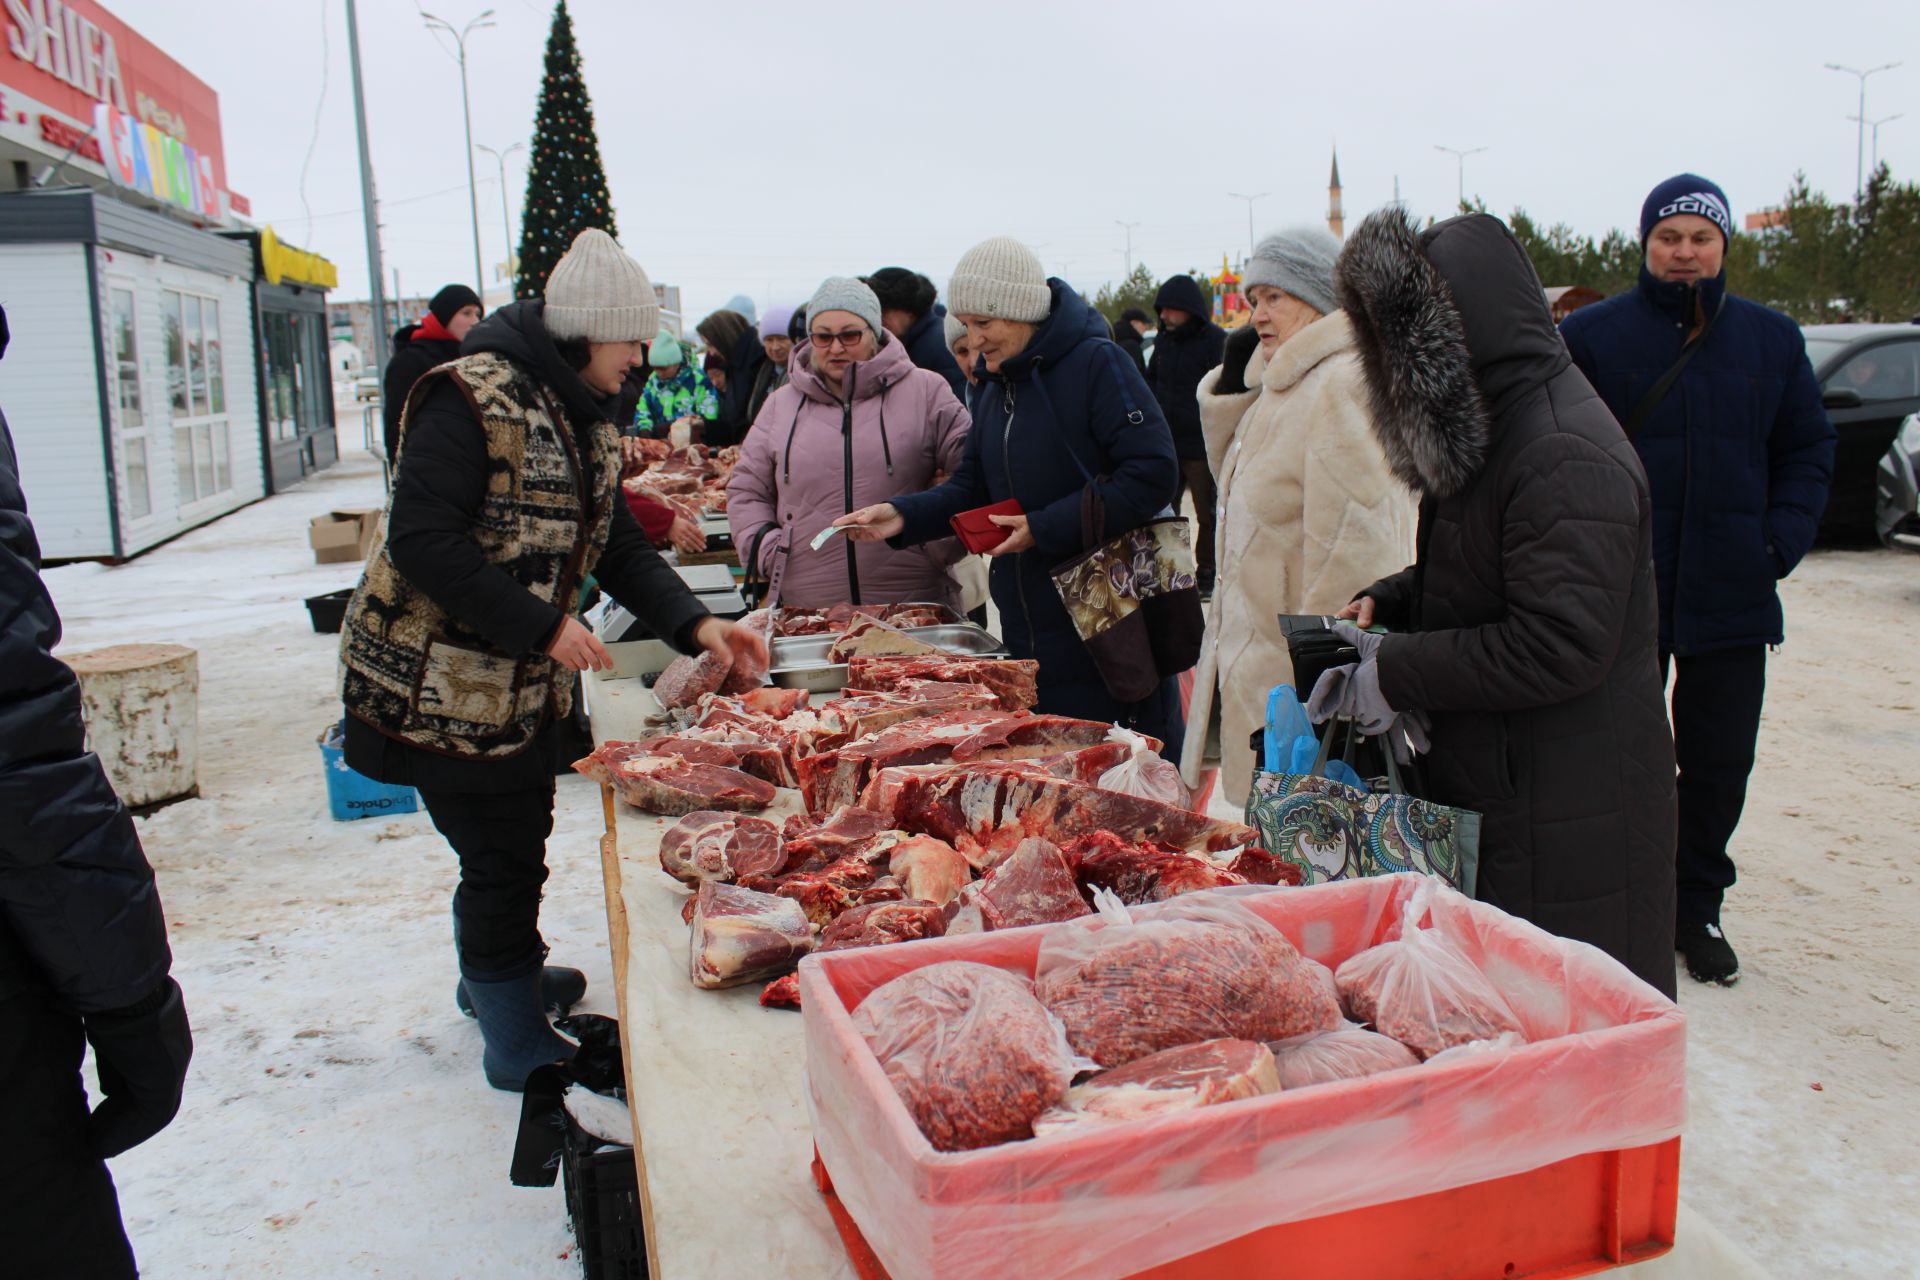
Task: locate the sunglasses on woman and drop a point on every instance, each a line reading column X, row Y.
column 848, row 338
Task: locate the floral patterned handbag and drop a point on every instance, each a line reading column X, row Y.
column 1133, row 599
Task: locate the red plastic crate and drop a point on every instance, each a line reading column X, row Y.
column 1558, row 1158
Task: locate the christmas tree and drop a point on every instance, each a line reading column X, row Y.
column 566, row 186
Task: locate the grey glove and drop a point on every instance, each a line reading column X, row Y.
column 1367, row 642
column 1353, row 693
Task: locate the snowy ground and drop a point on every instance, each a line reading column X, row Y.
column 336, row 1122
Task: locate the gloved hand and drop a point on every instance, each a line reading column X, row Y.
column 1367, row 642
column 141, row 1054
column 1352, row 692
column 1233, row 363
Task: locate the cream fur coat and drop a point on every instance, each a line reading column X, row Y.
column 1309, row 514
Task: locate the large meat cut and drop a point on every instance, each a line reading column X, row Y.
column 850, row 831
column 837, row 777
column 859, row 715
column 1014, row 682
column 928, row 869
column 1180, row 1079
column 676, row 776
column 1031, row 885
column 708, row 845
column 869, row 636
column 1082, row 764
column 971, row 1052
column 1346, row 1053
column 741, row 936
column 687, row 678
column 825, row 893
column 1188, row 970
column 1139, row 873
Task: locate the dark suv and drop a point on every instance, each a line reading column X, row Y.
column 1869, row 381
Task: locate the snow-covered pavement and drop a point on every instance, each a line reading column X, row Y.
column 336, row 1122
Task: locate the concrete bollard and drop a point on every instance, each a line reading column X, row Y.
column 141, row 703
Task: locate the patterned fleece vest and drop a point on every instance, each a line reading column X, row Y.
column 415, row 672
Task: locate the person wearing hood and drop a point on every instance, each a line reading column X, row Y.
column 1525, row 633
column 83, row 947
column 731, row 335
column 461, row 643
column 1309, row 510
column 778, row 348
column 1062, row 409
column 1133, row 327
column 856, row 424
column 676, row 394
column 451, row 315
column 907, row 307
column 1739, row 455
column 1189, row 344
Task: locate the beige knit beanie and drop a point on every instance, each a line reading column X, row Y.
column 598, row 293
column 1003, row 278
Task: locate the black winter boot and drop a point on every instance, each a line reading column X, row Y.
column 561, row 988
column 513, row 1023
column 1709, row 956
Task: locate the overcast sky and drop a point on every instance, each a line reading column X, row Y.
column 755, row 148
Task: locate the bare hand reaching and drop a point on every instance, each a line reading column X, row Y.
column 872, row 524
column 578, row 649
column 1359, row 612
column 743, row 644
column 686, row 536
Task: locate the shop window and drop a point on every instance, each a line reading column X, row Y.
column 133, row 422
column 196, row 391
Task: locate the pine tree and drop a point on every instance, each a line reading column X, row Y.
column 566, row 185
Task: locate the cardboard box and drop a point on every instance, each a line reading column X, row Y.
column 344, row 535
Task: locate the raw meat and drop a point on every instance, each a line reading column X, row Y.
column 847, row 832
column 742, row 747
column 782, row 993
column 871, row 636
column 975, row 804
column 671, row 784
column 747, row 673
column 707, row 845
column 1014, row 682
column 1257, row 866
column 1137, row 873
column 825, row 893
column 777, row 703
column 856, row 716
column 741, row 936
column 1193, row 1075
column 1423, row 991
column 971, row 1052
column 1189, row 970
column 879, row 923
column 837, row 777
column 1347, row 1053
column 1033, row 885
column 929, row 869
column 686, row 678
column 1082, row 765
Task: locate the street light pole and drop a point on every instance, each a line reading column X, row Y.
column 484, row 19
column 506, row 222
column 1873, row 148
column 376, row 293
column 1128, row 228
column 1258, row 195
column 1860, row 147
column 1460, row 159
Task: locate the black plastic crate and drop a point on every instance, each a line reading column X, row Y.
column 603, row 1204
column 330, row 610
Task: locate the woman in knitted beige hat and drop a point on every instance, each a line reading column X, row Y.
column 461, row 643
column 1060, row 407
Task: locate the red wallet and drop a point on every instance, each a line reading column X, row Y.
column 981, row 535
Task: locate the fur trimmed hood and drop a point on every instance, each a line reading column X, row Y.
column 1452, row 327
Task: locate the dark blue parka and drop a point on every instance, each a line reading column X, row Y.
column 1071, row 400
column 926, row 344
column 1738, row 455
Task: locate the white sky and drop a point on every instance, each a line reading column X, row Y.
column 757, row 147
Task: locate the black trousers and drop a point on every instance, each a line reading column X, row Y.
column 1716, row 724
column 59, row 1214
column 1196, row 475
column 501, row 839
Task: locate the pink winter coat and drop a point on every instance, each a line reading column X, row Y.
column 810, row 459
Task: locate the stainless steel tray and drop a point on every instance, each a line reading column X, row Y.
column 800, row 662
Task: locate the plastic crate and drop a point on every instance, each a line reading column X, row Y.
column 352, row 795
column 329, row 611
column 603, row 1206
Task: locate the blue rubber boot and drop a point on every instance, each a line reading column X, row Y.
column 561, row 988
column 513, row 1023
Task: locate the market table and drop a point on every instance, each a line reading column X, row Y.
column 717, row 1089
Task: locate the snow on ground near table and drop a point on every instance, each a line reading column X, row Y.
column 336, row 1122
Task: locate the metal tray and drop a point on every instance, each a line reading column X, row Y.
column 800, row 662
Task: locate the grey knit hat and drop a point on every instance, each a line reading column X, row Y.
column 1298, row 261
column 1002, row 278
column 598, row 293
column 844, row 293
column 954, row 329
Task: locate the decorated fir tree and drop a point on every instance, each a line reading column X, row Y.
column 566, row 187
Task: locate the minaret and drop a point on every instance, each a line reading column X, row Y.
column 1336, row 216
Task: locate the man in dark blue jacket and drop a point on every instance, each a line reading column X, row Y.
column 1189, row 345
column 908, row 310
column 1738, row 454
column 83, row 948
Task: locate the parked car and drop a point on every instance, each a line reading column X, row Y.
column 1896, row 515
column 1869, row 382
column 366, row 387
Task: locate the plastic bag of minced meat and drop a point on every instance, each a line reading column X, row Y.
column 1132, row 981
column 1345, row 1054
column 970, row 1051
column 1422, row 990
column 689, row 676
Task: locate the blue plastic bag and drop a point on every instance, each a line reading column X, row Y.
column 1291, row 746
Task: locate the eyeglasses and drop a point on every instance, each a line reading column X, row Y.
column 848, row 338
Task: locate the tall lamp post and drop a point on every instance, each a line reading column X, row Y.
column 1460, row 159
column 506, row 222
column 369, row 204
column 1873, row 148
column 1258, row 195
column 1860, row 152
column 482, row 20
column 1128, row 228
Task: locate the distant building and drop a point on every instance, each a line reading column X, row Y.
column 1766, row 218
column 1336, row 214
column 1565, row 299
column 352, row 321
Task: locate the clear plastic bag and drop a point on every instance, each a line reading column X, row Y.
column 1145, row 772
column 1199, row 967
column 968, row 1048
column 1347, row 1053
column 1421, row 989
